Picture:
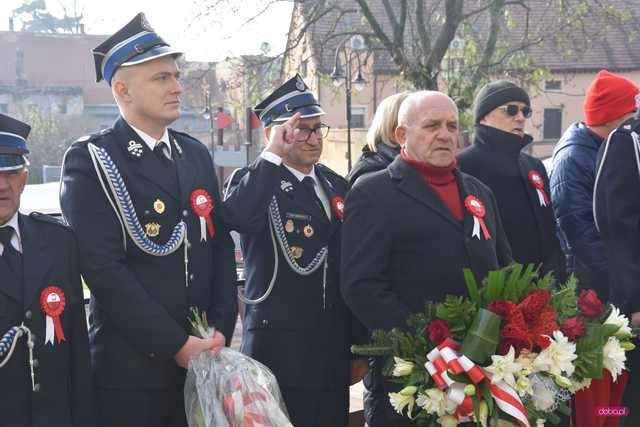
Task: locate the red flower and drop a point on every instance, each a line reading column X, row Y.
column 502, row 308
column 573, row 328
column 438, row 331
column 534, row 303
column 589, row 304
column 543, row 341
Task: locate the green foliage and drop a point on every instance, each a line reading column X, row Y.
column 511, row 283
column 458, row 312
column 564, row 300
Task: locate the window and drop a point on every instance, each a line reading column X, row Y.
column 357, row 116
column 552, row 126
column 553, row 85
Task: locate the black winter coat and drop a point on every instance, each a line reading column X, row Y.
column 372, row 161
column 496, row 159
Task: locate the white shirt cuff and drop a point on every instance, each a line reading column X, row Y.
column 271, row 157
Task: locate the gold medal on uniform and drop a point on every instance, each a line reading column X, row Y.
column 158, row 206
column 296, row 251
column 308, row 230
column 152, row 229
column 288, row 226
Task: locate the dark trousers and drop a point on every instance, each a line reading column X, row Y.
column 142, row 408
column 317, row 408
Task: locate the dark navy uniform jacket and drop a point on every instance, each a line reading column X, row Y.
column 64, row 393
column 301, row 329
column 140, row 302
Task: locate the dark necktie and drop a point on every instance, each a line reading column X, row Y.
column 159, row 151
column 310, row 185
column 9, row 254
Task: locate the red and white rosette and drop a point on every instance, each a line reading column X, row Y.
column 202, row 205
column 476, row 208
column 52, row 303
column 337, row 204
column 536, row 179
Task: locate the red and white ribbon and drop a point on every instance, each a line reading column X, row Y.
column 445, row 358
column 52, row 303
column 476, row 208
column 536, row 180
column 202, row 205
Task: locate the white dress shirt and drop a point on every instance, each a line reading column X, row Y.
column 16, row 241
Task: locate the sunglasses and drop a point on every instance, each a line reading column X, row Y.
column 512, row 110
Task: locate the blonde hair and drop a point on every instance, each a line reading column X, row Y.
column 385, row 121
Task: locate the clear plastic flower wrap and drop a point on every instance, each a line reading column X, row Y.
column 230, row 389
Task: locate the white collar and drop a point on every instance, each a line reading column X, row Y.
column 151, row 141
column 16, row 240
column 300, row 176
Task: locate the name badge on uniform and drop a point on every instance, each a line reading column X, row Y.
column 52, row 302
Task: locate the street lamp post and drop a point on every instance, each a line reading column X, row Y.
column 207, row 113
column 356, row 47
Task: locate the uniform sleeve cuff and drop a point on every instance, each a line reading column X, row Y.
column 271, row 157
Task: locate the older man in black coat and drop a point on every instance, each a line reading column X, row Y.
column 518, row 180
column 411, row 229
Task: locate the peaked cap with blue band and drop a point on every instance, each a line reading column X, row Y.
column 133, row 44
column 290, row 98
column 13, row 143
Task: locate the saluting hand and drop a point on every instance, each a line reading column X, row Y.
column 283, row 136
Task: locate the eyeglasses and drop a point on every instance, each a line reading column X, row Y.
column 303, row 134
column 512, row 110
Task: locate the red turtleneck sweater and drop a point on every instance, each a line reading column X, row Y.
column 443, row 182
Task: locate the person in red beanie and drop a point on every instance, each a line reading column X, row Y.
column 616, row 211
column 609, row 101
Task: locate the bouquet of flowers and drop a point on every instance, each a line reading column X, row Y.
column 516, row 349
column 229, row 389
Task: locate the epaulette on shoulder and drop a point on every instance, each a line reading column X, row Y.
column 93, row 136
column 327, row 171
column 50, row 219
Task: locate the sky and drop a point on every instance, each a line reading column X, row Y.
column 203, row 33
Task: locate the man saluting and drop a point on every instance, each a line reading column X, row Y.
column 288, row 209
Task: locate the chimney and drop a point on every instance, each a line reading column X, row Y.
column 11, row 23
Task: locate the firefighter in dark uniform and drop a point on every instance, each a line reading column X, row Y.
column 288, row 210
column 616, row 206
column 45, row 375
column 144, row 202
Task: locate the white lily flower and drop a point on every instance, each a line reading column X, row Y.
column 558, row 357
column 402, row 367
column 523, row 385
column 433, row 401
column 618, row 319
column 405, row 398
column 504, row 368
column 614, row 357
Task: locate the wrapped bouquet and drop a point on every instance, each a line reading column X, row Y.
column 229, row 389
column 517, row 348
